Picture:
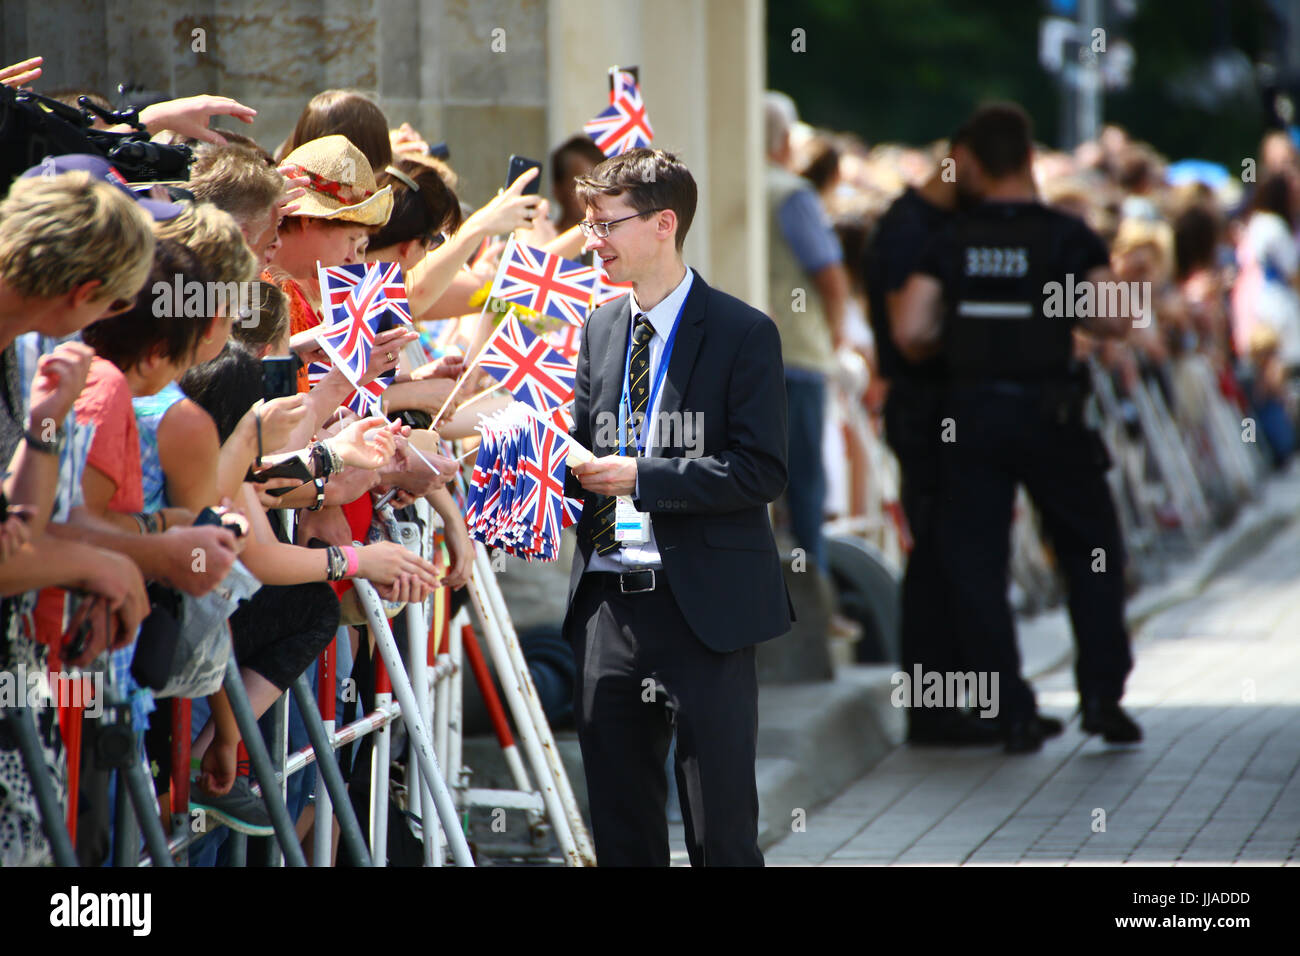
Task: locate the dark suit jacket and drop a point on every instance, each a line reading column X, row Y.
column 707, row 493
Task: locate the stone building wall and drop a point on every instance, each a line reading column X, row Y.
column 427, row 62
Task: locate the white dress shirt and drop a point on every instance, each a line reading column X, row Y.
column 663, row 318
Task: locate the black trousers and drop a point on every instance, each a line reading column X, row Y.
column 1004, row 436
column 927, row 631
column 640, row 672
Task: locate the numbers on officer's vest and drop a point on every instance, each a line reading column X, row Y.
column 998, row 262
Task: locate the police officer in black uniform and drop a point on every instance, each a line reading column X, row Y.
column 913, row 407
column 989, row 296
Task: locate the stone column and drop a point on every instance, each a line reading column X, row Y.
column 737, row 70
column 702, row 69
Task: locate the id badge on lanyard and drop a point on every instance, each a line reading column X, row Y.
column 632, row 527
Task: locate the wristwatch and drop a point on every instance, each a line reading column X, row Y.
column 320, row 494
column 36, row 443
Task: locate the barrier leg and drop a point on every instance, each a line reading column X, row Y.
column 278, row 751
column 332, row 779
column 454, row 723
column 421, row 743
column 23, row 726
column 238, row 843
column 530, row 722
column 322, row 850
column 380, row 764
column 505, row 739
column 260, row 759
column 139, row 787
column 180, row 785
column 126, row 831
column 418, row 788
column 509, row 645
column 71, row 731
column 442, row 735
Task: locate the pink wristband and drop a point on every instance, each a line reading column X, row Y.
column 353, row 561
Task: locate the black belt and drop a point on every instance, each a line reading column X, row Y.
column 628, row 582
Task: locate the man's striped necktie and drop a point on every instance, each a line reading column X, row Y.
column 638, row 382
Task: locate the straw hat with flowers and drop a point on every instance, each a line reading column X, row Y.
column 340, row 183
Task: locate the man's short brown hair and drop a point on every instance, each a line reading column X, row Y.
column 235, row 179
column 213, row 235
column 58, row 232
column 651, row 178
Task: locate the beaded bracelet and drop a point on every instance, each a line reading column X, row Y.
column 320, row 495
column 336, row 563
column 320, row 460
column 147, row 520
column 325, row 460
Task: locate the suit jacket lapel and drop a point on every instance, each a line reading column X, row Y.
column 686, row 348
column 611, row 374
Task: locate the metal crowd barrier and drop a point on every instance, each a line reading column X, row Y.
column 1177, row 475
column 424, row 694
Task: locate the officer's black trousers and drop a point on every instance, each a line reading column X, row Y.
column 927, row 635
column 1004, row 437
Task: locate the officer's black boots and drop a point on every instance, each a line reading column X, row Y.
column 1106, row 717
column 1027, row 736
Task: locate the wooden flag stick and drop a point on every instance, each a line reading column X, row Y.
column 459, row 382
column 577, row 455
column 483, row 394
column 505, row 257
column 473, row 365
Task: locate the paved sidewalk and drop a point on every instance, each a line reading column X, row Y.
column 1216, row 688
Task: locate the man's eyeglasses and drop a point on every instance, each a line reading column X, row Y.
column 601, row 229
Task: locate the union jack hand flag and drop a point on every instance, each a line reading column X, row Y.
column 516, row 496
column 366, row 400
column 606, row 291
column 358, row 301
column 546, row 283
column 566, row 341
column 623, row 124
column 534, row 372
column 544, row 463
column 624, row 83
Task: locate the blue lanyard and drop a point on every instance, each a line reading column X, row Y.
column 625, row 403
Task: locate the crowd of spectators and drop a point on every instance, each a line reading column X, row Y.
column 134, row 323
column 1217, row 246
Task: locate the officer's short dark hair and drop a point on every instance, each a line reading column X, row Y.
column 1000, row 135
column 651, row 178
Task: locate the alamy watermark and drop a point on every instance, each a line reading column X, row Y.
column 1071, row 299
column 667, row 431
column 1091, row 300
column 22, row 688
column 76, row 909
column 190, row 299
column 948, row 689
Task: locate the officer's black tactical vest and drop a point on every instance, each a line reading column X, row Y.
column 994, row 327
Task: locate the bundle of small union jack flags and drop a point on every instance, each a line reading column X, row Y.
column 516, row 498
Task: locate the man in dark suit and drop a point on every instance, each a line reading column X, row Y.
column 680, row 395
